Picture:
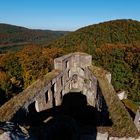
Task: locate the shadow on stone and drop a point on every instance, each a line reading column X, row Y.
column 72, row 120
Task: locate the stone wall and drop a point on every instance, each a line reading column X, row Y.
column 77, row 76
column 37, row 93
column 123, row 124
column 72, row 73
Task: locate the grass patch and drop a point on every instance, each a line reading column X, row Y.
column 130, row 105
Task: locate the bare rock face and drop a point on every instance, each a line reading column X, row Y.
column 10, row 131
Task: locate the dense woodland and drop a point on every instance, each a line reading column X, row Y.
column 114, row 45
column 15, row 36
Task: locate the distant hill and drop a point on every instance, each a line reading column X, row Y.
column 12, row 35
column 114, row 46
column 116, row 31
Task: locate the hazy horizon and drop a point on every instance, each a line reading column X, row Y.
column 64, row 30
column 66, row 15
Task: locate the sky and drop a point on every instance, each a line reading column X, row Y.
column 66, row 14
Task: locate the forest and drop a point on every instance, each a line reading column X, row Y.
column 114, row 45
column 12, row 36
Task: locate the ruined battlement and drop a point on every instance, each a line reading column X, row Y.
column 72, row 73
column 73, row 60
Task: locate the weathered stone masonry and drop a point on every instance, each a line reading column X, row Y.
column 76, row 75
column 71, row 73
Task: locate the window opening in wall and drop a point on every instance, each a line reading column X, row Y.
column 31, row 108
column 75, row 78
column 52, row 89
column 47, row 96
column 67, row 64
column 69, row 74
column 61, row 95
